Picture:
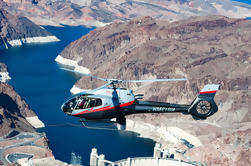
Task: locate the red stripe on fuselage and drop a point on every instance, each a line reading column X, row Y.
column 214, row 91
column 103, row 108
column 126, row 104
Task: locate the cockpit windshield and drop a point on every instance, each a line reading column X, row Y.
column 81, row 102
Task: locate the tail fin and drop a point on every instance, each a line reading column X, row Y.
column 209, row 90
column 204, row 105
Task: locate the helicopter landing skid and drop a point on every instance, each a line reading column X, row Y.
column 84, row 123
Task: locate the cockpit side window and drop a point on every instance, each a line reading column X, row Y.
column 86, row 102
column 98, row 102
column 92, row 102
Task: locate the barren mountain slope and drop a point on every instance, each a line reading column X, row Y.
column 203, row 49
column 14, row 110
column 98, row 12
column 18, row 30
column 17, row 135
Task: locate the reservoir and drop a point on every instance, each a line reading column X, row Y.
column 44, row 86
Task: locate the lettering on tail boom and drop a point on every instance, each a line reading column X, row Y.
column 163, row 109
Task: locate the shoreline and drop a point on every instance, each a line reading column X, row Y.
column 75, row 89
column 71, row 63
column 161, row 134
column 22, row 138
column 4, row 77
column 45, row 22
column 28, row 40
column 35, row 122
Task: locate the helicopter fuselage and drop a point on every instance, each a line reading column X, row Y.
column 111, row 103
column 108, row 101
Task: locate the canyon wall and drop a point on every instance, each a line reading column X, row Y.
column 101, row 12
column 202, row 49
column 16, row 31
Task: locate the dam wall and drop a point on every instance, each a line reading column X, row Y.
column 160, row 157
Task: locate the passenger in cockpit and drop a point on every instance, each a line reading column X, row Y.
column 82, row 103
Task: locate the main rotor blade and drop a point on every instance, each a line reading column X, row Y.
column 156, row 80
column 116, row 81
column 85, row 74
column 103, row 86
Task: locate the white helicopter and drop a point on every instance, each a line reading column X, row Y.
column 109, row 101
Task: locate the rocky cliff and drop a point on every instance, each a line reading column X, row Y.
column 18, row 137
column 101, row 12
column 14, row 110
column 3, row 67
column 202, row 49
column 16, row 31
column 4, row 75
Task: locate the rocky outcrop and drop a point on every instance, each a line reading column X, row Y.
column 14, row 110
column 99, row 12
column 19, row 141
column 3, row 67
column 230, row 149
column 15, row 31
column 202, row 49
column 4, row 75
column 72, row 63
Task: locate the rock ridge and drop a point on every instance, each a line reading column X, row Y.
column 100, row 13
column 18, row 135
column 4, row 75
column 15, row 31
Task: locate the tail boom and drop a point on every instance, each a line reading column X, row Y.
column 202, row 106
column 158, row 107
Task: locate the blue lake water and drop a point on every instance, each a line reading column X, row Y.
column 38, row 79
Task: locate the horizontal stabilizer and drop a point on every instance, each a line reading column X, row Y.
column 210, row 88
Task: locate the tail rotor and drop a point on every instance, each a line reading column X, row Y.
column 204, row 105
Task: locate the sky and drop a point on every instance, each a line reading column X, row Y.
column 244, row 1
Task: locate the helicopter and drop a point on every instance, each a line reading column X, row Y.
column 109, row 102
